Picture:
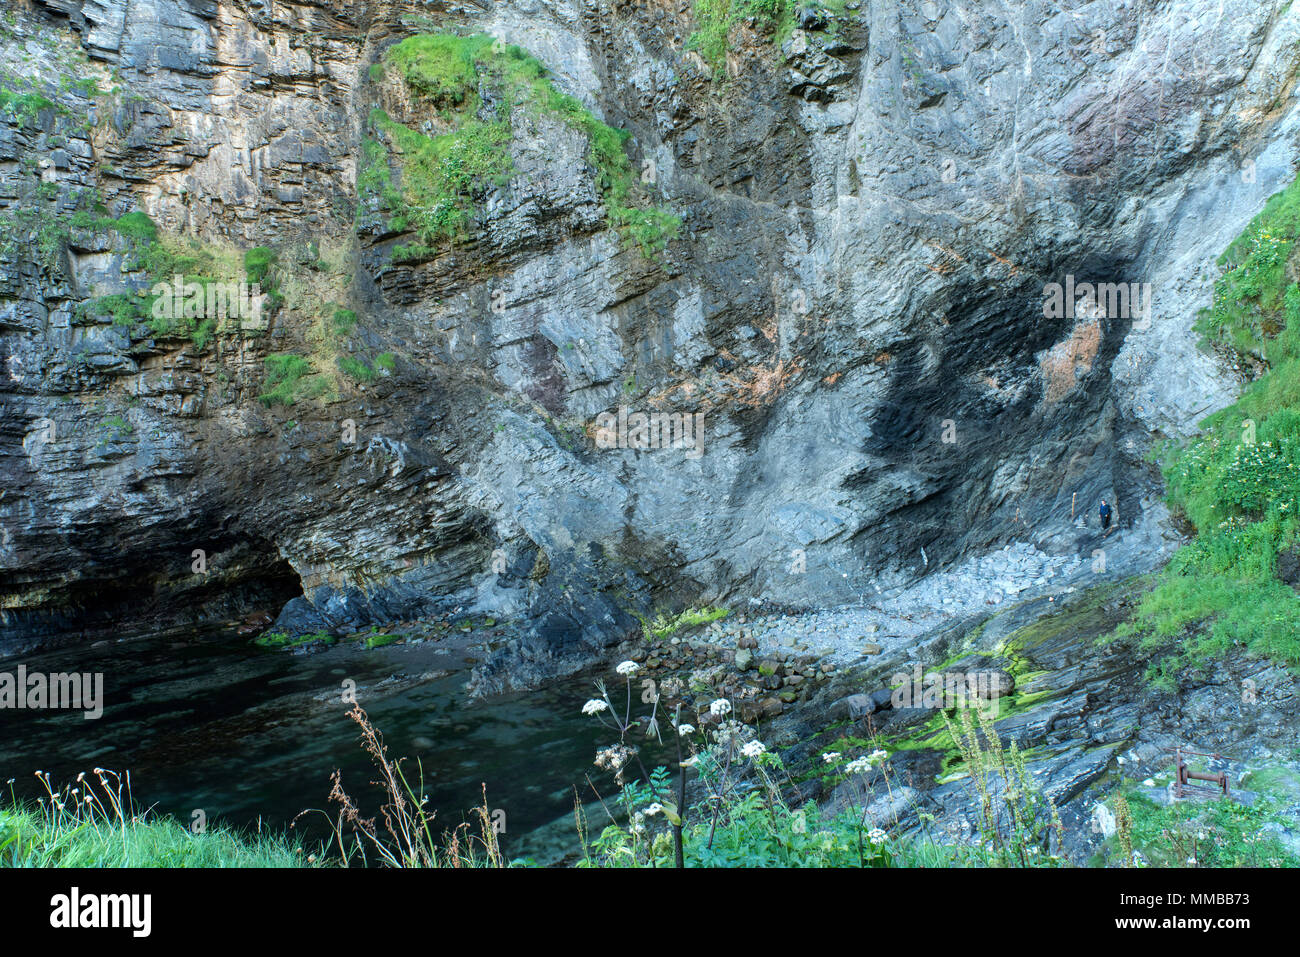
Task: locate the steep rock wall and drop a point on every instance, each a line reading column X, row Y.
column 854, row 303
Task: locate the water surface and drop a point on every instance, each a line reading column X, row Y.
column 251, row 736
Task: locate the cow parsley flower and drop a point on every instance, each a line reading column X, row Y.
column 628, row 668
column 753, row 749
column 595, row 706
column 720, row 707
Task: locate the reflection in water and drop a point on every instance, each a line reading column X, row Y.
column 251, row 736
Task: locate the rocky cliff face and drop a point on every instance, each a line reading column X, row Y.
column 872, row 216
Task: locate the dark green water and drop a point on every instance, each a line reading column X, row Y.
column 250, row 735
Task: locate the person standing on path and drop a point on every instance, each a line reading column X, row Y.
column 1105, row 513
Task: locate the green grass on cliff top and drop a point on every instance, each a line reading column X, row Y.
column 444, row 174
column 1238, row 482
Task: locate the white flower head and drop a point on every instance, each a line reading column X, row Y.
column 753, row 749
column 614, row 757
column 685, row 729
column 595, row 706
column 720, row 707
column 830, row 757
column 653, row 809
column 877, row 836
column 628, row 668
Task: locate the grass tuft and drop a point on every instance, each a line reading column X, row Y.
column 95, row 824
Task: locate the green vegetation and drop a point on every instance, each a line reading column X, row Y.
column 374, row 179
column 665, row 626
column 1085, row 616
column 716, row 19
column 87, row 87
column 1219, row 833
column 743, row 818
column 43, row 225
column 1239, row 482
column 31, row 227
column 440, row 175
column 97, row 825
column 343, row 321
column 258, row 262
column 135, row 225
column 29, row 839
column 443, row 175
column 153, row 258
column 161, row 259
column 125, row 310
column 749, row 834
column 362, row 371
column 25, row 107
column 290, row 378
column 357, row 369
column 278, row 639
column 442, row 67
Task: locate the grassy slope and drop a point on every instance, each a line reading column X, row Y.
column 1239, row 481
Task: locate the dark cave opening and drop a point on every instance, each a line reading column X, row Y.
column 232, row 581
